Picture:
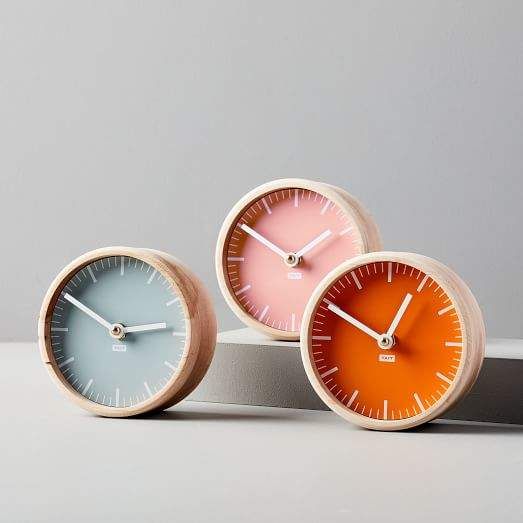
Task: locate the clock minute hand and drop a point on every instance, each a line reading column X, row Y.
column 353, row 321
column 313, row 243
column 87, row 311
column 263, row 240
column 145, row 327
column 399, row 314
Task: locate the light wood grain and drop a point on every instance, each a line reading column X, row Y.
column 199, row 343
column 365, row 228
column 471, row 322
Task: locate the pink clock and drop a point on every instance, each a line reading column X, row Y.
column 279, row 241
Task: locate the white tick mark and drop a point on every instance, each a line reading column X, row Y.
column 329, row 372
column 446, row 309
column 422, row 283
column 66, row 362
column 242, row 290
column 91, row 273
column 356, row 281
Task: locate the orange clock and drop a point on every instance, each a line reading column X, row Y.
column 392, row 340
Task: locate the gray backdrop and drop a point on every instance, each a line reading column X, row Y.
column 141, row 123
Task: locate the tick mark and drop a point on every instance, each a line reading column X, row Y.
column 418, row 401
column 263, row 312
column 88, row 386
column 91, row 273
column 422, row 283
column 147, row 388
column 266, row 205
column 444, row 378
column 242, row 290
column 329, row 372
column 66, row 362
column 170, row 365
column 352, row 398
column 325, row 207
column 446, row 309
column 356, row 281
column 174, row 300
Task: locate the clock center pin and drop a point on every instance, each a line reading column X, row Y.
column 291, row 259
column 386, row 342
column 117, row 331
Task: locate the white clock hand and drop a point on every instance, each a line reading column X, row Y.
column 399, row 314
column 353, row 321
column 263, row 240
column 145, row 327
column 87, row 311
column 313, row 243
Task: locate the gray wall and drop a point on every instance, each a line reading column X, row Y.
column 141, row 123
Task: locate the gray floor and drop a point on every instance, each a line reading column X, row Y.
column 210, row 462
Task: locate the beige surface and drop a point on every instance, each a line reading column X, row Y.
column 208, row 462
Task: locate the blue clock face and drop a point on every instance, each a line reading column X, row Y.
column 118, row 331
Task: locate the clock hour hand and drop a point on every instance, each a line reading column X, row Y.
column 257, row 236
column 399, row 314
column 353, row 321
column 87, row 311
column 313, row 243
column 145, row 327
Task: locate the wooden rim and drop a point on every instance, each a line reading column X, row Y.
column 471, row 323
column 369, row 239
column 199, row 318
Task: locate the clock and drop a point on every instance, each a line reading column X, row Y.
column 279, row 241
column 126, row 331
column 392, row 340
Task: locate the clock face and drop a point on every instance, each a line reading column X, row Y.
column 118, row 331
column 385, row 342
column 277, row 250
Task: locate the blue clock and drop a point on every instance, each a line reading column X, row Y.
column 125, row 331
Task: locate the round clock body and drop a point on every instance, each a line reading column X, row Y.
column 279, row 241
column 392, row 340
column 126, row 331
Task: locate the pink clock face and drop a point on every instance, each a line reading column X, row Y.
column 280, row 249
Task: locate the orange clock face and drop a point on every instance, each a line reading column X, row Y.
column 386, row 341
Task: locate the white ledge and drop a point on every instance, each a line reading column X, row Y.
column 251, row 369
